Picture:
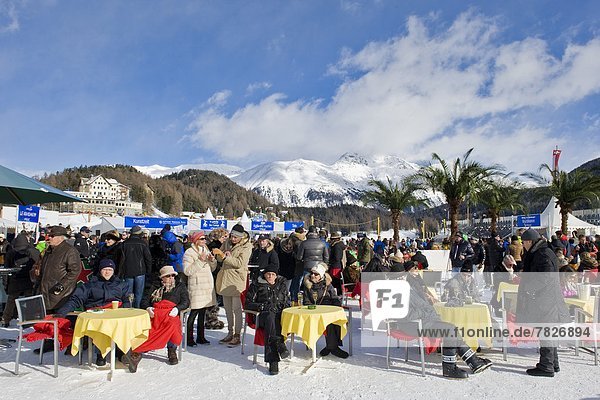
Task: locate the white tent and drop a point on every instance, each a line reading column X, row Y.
column 108, row 224
column 208, row 214
column 551, row 220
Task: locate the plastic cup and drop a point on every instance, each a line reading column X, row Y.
column 115, row 305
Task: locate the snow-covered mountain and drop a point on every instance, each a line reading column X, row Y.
column 307, row 183
column 156, row 171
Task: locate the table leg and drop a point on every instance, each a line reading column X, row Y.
column 112, row 359
column 314, row 353
column 292, row 347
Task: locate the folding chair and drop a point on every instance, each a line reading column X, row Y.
column 258, row 337
column 32, row 310
column 582, row 316
column 183, row 316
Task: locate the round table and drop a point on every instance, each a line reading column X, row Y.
column 470, row 317
column 506, row 287
column 124, row 327
column 585, row 305
column 310, row 324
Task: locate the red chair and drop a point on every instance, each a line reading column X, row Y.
column 251, row 319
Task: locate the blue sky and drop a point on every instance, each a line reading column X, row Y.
column 245, row 82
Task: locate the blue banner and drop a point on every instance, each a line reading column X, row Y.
column 28, row 214
column 210, row 224
column 291, row 225
column 526, row 221
column 154, row 222
column 262, row 226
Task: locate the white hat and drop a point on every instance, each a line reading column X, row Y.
column 167, row 270
column 320, row 268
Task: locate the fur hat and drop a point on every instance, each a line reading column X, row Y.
column 531, row 234
column 167, row 270
column 238, row 231
column 270, row 268
column 320, row 268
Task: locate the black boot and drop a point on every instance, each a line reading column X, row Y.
column 190, row 341
column 273, row 368
column 282, row 349
column 100, row 361
column 449, row 368
column 477, row 364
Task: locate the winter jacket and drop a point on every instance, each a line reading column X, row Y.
column 21, row 255
column 540, row 299
column 61, row 266
column 111, row 252
column 265, row 257
column 176, row 253
column 262, row 296
column 312, row 251
column 365, row 250
column 136, row 259
column 336, row 254
column 287, row 259
column 96, row 293
column 201, row 286
column 515, row 249
column 459, row 288
column 179, row 295
column 421, row 260
column 324, row 291
column 231, row 279
column 495, row 252
column 462, row 248
column 82, row 245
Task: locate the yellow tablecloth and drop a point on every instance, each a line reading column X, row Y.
column 470, row 317
column 128, row 327
column 506, row 287
column 310, row 324
column 586, row 305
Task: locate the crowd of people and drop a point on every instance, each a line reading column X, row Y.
column 165, row 273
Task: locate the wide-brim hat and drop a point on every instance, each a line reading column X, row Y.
column 167, row 270
column 59, row 231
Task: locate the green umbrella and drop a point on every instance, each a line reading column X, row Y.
column 16, row 188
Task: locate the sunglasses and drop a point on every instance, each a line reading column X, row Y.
column 315, row 273
column 202, row 238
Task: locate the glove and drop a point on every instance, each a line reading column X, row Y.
column 219, row 254
column 150, row 311
column 57, row 289
column 174, row 312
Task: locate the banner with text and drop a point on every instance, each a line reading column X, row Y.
column 154, row 222
column 28, row 214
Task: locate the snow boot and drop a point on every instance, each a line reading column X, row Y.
column 540, row 372
column 449, row 368
column 172, row 355
column 477, row 364
column 227, row 338
column 273, row 368
column 236, row 341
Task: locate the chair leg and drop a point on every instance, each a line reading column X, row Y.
column 19, row 350
column 422, row 353
column 387, row 348
column 90, row 350
column 184, row 338
column 255, row 355
column 42, row 351
column 56, row 350
column 244, row 325
column 80, row 352
column 405, row 350
column 350, row 330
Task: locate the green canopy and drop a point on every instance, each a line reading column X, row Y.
column 16, row 188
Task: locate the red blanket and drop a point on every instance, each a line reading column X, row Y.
column 164, row 328
column 45, row 330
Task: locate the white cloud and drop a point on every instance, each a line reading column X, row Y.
column 253, row 87
column 418, row 93
column 9, row 20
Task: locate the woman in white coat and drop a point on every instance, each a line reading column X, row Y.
column 198, row 264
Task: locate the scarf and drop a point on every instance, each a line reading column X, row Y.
column 158, row 294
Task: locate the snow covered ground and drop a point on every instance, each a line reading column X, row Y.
column 218, row 372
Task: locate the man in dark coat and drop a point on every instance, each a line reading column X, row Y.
column 337, row 250
column 136, row 262
column 539, row 300
column 312, row 251
column 264, row 255
column 60, row 269
column 461, row 250
column 420, row 259
column 82, row 242
column 21, row 255
column 269, row 295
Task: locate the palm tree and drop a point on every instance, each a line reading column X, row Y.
column 394, row 197
column 500, row 195
column 463, row 178
column 568, row 188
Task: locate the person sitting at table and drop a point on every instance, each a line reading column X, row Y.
column 420, row 309
column 462, row 285
column 163, row 303
column 99, row 292
column 319, row 291
column 416, row 282
column 269, row 295
column 503, row 273
column 568, row 281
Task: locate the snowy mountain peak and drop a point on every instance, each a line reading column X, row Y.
column 352, row 158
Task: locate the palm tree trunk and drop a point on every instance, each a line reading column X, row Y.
column 564, row 219
column 396, row 224
column 494, row 223
column 453, row 217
